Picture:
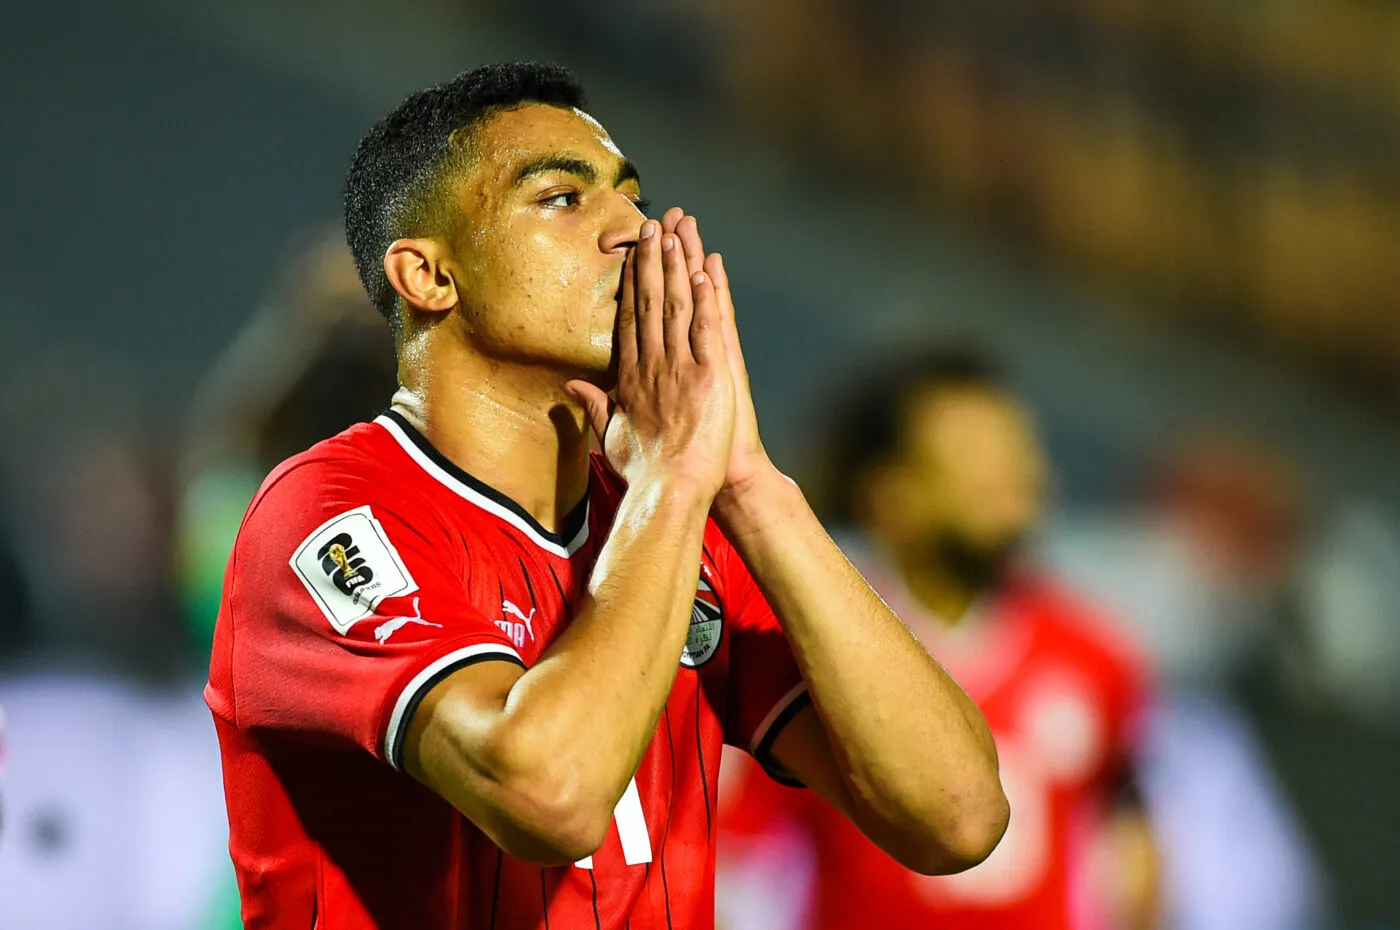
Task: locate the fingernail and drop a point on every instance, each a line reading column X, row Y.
column 668, row 243
column 648, row 230
column 698, row 278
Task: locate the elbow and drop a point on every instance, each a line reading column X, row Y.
column 963, row 838
column 976, row 834
column 551, row 831
column 550, row 818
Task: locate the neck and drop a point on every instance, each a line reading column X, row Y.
column 936, row 589
column 508, row 425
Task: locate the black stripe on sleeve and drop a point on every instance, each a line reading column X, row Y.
column 544, row 900
column 396, row 750
column 764, row 751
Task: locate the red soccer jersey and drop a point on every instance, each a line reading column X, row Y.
column 1060, row 693
column 367, row 570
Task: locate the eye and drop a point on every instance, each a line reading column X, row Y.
column 561, row 199
column 643, row 205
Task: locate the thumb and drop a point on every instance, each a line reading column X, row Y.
column 596, row 405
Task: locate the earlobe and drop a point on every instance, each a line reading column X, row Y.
column 416, row 270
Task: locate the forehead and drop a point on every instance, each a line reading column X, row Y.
column 515, row 136
column 938, row 417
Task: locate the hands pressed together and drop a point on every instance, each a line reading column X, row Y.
column 683, row 408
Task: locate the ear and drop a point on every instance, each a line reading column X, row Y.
column 418, row 270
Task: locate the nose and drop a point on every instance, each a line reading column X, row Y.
column 623, row 226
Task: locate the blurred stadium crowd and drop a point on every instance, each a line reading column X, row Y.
column 1219, row 179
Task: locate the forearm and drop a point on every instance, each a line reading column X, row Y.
column 913, row 750
column 588, row 708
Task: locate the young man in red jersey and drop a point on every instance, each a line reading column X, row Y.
column 466, row 674
column 942, row 472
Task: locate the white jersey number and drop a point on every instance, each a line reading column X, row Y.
column 631, row 829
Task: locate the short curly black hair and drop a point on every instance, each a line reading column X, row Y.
column 397, row 183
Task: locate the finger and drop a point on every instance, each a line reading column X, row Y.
column 714, row 267
column 671, row 218
column 627, row 315
column 651, row 295
column 689, row 231
column 706, row 338
column 678, row 307
column 596, row 405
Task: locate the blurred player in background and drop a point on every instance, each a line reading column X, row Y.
column 314, row 359
column 466, row 674
column 943, row 476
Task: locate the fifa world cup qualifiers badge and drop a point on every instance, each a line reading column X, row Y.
column 348, row 565
column 340, row 559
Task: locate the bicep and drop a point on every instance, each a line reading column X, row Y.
column 459, row 746
column 451, row 735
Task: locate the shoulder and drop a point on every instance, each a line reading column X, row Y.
column 355, row 465
column 357, row 478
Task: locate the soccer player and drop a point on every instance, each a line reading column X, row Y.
column 943, row 475
column 466, row 674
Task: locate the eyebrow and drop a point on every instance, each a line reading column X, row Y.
column 580, row 168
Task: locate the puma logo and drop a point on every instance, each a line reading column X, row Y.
column 508, row 608
column 393, row 625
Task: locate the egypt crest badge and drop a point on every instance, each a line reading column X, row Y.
column 706, row 627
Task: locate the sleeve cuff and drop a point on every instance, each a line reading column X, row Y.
column 781, row 714
column 427, row 678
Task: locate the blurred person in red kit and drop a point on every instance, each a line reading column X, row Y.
column 942, row 476
column 467, row 674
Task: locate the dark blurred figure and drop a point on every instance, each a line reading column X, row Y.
column 1202, row 563
column 314, row 360
column 942, row 476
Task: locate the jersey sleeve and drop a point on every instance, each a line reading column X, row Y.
column 766, row 690
column 346, row 601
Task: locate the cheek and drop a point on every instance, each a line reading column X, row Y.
column 549, row 269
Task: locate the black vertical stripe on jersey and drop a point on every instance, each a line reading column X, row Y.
column 705, row 551
column 700, row 751
column 593, row 879
column 496, row 887
column 529, row 588
column 544, row 900
column 666, row 834
column 560, row 587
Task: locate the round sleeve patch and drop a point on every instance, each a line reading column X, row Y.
column 706, row 626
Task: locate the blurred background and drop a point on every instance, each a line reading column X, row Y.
column 1175, row 224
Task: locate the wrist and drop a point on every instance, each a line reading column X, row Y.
column 757, row 501
column 673, row 491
